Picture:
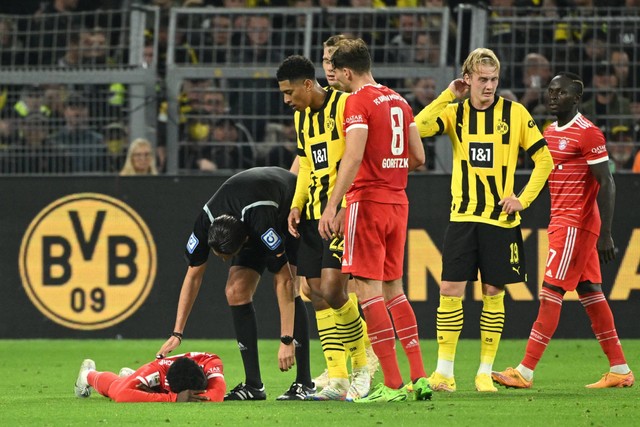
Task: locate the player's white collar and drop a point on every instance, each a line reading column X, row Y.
column 571, row 122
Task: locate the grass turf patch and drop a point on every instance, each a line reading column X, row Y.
column 38, row 377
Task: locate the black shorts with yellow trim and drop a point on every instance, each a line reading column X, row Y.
column 497, row 252
column 315, row 253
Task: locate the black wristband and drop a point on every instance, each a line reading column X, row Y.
column 286, row 339
column 177, row 335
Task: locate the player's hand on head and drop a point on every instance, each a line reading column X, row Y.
column 293, row 221
column 459, row 87
column 191, row 396
column 145, row 388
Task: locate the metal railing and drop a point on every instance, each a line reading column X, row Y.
column 199, row 83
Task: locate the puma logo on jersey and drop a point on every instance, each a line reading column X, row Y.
column 516, row 269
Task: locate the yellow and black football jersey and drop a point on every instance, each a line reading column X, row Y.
column 485, row 155
column 320, row 148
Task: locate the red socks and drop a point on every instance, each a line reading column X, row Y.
column 603, row 326
column 383, row 339
column 404, row 320
column 543, row 328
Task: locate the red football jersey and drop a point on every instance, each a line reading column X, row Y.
column 573, row 188
column 387, row 116
column 153, row 375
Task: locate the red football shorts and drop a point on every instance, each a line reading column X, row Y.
column 375, row 234
column 572, row 258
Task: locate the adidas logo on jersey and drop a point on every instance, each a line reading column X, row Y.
column 549, row 273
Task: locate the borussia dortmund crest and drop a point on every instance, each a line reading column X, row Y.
column 331, row 123
column 502, row 127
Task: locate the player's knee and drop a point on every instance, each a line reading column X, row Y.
column 588, row 287
column 237, row 294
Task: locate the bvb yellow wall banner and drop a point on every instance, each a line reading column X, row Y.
column 87, row 261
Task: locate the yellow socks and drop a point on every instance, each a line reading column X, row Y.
column 491, row 325
column 449, row 321
column 332, row 346
column 367, row 342
column 349, row 327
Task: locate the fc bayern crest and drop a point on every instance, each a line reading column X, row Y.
column 562, row 144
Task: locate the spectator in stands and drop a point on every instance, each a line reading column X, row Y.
column 536, row 75
column 11, row 47
column 216, row 145
column 140, row 160
column 217, row 47
column 427, row 48
column 295, row 28
column 194, row 91
column 255, row 96
column 503, row 37
column 282, row 139
column 83, row 148
column 622, row 68
column 195, row 149
column 214, row 103
column 115, row 139
column 232, row 150
column 54, row 98
column 94, row 47
column 30, row 153
column 401, row 47
column 620, row 148
column 31, row 101
column 594, row 51
column 259, row 44
column 72, row 55
column 51, row 24
column 607, row 108
column 507, row 94
column 423, row 92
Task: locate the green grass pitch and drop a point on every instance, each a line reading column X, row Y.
column 37, row 379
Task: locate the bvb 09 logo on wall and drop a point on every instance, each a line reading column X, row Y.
column 87, row 261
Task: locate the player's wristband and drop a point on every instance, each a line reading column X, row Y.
column 177, row 335
column 286, row 339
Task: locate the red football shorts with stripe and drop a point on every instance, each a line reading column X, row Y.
column 374, row 238
column 572, row 258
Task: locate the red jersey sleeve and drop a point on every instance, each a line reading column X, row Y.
column 593, row 146
column 216, row 385
column 355, row 114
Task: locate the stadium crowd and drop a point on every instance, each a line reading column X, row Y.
column 237, row 123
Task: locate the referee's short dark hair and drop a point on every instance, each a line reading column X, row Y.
column 296, row 68
column 185, row 374
column 227, row 234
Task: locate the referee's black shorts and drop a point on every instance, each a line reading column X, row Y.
column 496, row 251
column 315, row 253
column 256, row 257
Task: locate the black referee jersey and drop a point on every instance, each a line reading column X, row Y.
column 259, row 197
